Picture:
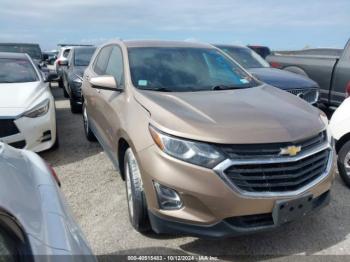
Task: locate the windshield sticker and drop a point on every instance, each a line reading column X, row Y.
column 244, row 81
column 142, row 83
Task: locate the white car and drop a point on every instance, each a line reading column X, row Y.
column 340, row 126
column 27, row 107
column 35, row 221
column 60, row 62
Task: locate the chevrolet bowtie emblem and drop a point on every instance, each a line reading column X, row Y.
column 291, row 150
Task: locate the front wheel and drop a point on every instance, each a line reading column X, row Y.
column 137, row 206
column 344, row 163
column 75, row 108
column 60, row 82
column 65, row 93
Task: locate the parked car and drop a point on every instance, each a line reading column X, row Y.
column 51, row 57
column 204, row 148
column 35, row 222
column 330, row 71
column 60, row 63
column 298, row 85
column 340, row 126
column 263, row 51
column 27, row 107
column 72, row 75
column 33, row 50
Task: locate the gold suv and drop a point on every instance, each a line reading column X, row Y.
column 205, row 148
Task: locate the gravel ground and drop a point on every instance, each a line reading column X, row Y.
column 96, row 195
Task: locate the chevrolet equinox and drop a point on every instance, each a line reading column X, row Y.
column 204, row 148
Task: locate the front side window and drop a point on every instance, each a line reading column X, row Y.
column 82, row 56
column 17, row 71
column 101, row 60
column 184, row 69
column 115, row 65
column 245, row 57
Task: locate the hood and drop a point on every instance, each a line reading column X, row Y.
column 261, row 114
column 16, row 97
column 282, row 79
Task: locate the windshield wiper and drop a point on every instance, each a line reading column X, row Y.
column 225, row 87
column 159, row 89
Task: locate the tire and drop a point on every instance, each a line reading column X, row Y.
column 344, row 163
column 74, row 107
column 65, row 94
column 60, row 82
column 88, row 132
column 135, row 195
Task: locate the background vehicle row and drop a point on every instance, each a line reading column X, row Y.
column 328, row 67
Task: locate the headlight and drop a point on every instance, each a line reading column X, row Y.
column 325, row 120
column 196, row 153
column 39, row 110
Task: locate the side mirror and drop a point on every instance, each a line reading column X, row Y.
column 45, row 57
column 50, row 77
column 105, row 82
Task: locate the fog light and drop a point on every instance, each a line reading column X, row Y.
column 168, row 198
column 46, row 136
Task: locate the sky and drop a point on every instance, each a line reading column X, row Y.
column 279, row 24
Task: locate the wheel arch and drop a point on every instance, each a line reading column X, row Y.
column 123, row 145
column 345, row 138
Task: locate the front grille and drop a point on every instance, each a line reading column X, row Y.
column 309, row 95
column 7, row 128
column 278, row 177
column 270, row 150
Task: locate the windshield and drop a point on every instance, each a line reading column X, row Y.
column 32, row 50
column 82, row 56
column 185, row 69
column 17, row 71
column 245, row 56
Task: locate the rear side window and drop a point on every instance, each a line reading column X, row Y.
column 101, row 60
column 66, row 53
column 82, row 56
column 115, row 65
column 17, row 71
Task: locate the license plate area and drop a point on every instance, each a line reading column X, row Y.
column 289, row 210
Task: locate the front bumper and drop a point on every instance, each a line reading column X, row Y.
column 208, row 201
column 35, row 134
column 230, row 227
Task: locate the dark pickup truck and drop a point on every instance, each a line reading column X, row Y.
column 330, row 68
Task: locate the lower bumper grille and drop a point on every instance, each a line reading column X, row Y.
column 260, row 220
column 20, row 144
column 309, row 95
column 278, row 177
column 8, row 128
